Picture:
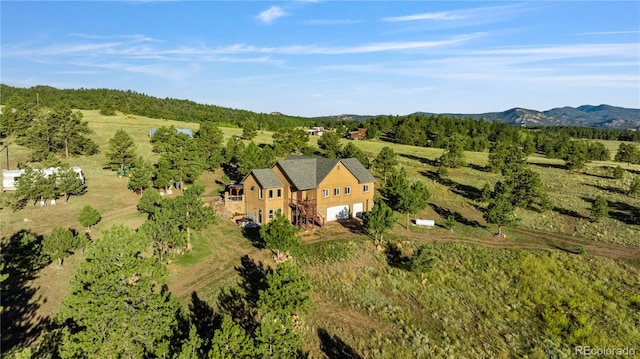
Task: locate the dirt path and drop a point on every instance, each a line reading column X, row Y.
column 533, row 239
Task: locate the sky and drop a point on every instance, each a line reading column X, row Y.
column 316, row 58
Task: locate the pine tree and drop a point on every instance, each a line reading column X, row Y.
column 118, row 304
column 404, row 197
column 379, row 220
column 288, row 291
column 500, row 211
column 60, row 243
column 69, row 183
column 422, row 260
column 352, row 151
column 627, row 152
column 121, row 152
column 231, row 342
column 577, row 156
column 189, row 211
column 249, row 130
column 385, row 162
column 618, row 172
column 289, row 140
column 453, row 156
column 279, row 234
column 277, row 337
column 163, row 176
column 599, row 208
column 209, row 143
column 140, row 176
column 330, row 143
column 88, row 217
column 149, row 202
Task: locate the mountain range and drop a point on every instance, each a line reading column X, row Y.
column 601, row 116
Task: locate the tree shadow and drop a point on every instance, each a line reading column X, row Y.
column 253, row 235
column 395, row 258
column 203, row 317
column 354, row 225
column 549, row 165
column 624, row 212
column 419, row 159
column 21, row 324
column 445, row 213
column 607, row 188
column 461, row 189
column 477, row 167
column 334, row 347
column 568, row 212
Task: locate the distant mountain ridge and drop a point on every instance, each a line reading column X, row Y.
column 601, row 116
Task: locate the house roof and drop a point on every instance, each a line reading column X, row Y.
column 266, row 178
column 358, row 170
column 308, row 172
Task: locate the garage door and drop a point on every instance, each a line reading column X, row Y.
column 357, row 209
column 337, row 212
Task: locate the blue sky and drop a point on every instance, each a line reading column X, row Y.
column 313, row 58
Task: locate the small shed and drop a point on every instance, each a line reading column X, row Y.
column 358, row 134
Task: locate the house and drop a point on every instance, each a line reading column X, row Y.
column 358, row 134
column 316, row 131
column 10, row 177
column 309, row 191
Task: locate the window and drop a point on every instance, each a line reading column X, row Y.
column 325, row 193
column 365, row 188
column 260, row 193
column 270, row 214
column 259, row 216
column 347, row 190
column 270, row 194
column 279, row 193
column 336, row 191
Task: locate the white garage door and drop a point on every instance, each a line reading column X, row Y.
column 337, row 212
column 357, row 209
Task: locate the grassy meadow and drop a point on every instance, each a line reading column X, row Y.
column 528, row 295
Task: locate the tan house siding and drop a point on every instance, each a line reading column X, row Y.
column 255, row 204
column 340, row 177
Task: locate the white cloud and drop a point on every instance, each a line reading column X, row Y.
column 271, row 14
column 446, row 15
column 609, row 32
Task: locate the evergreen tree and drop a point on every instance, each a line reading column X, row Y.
column 618, row 172
column 231, row 342
column 577, row 155
column 500, row 210
column 525, row 188
column 487, row 192
column 60, row 243
column 599, row 208
column 189, row 211
column 627, row 152
column 118, row 304
column 330, row 143
column 163, row 175
column 289, row 140
column 88, row 217
column 288, row 291
column 164, row 232
column 121, row 152
column 506, row 158
column 249, row 130
column 279, row 234
column 192, row 347
column 149, row 202
column 276, row 337
column 404, row 197
column 140, row 176
column 352, row 151
column 422, row 260
column 209, row 142
column 379, row 220
column 69, row 184
column 453, row 156
column 385, row 162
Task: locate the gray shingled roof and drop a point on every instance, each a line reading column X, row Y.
column 354, row 166
column 267, row 178
column 307, row 172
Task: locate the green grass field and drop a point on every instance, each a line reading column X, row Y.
column 484, row 298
